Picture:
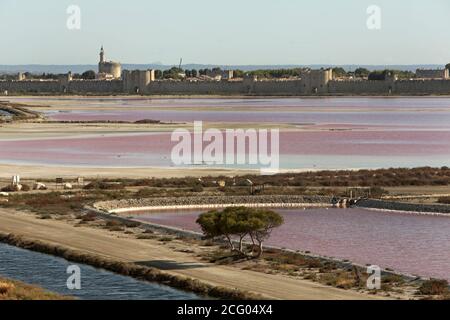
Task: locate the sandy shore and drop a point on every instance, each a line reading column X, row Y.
column 61, row 130
column 52, row 172
column 127, row 249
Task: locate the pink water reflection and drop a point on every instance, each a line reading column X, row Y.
column 154, row 149
column 408, row 119
column 407, row 112
column 412, row 244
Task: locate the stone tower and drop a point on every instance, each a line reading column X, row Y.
column 316, row 81
column 102, row 55
column 108, row 69
column 138, row 81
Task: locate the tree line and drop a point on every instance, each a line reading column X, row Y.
column 177, row 73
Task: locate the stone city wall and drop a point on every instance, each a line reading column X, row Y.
column 439, row 87
column 359, row 87
column 95, row 86
column 51, row 86
column 195, row 87
column 134, row 85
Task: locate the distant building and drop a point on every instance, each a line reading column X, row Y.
column 108, row 69
column 432, row 73
column 137, row 81
column 219, row 74
column 316, row 81
column 111, row 80
column 21, row 76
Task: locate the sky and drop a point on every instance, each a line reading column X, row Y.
column 233, row 32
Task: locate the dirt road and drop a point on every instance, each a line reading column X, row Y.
column 156, row 254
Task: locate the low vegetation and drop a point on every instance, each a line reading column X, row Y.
column 444, row 200
column 102, row 185
column 61, row 203
column 15, row 290
column 331, row 273
column 231, row 224
column 435, row 287
column 394, row 177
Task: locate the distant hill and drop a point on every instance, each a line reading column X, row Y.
column 37, row 68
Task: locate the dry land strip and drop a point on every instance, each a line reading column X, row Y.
column 126, row 248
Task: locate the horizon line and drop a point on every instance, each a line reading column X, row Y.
column 228, row 64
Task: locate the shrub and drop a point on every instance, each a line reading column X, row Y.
column 6, row 287
column 340, row 280
column 116, row 228
column 434, row 287
column 147, row 192
column 89, row 217
column 7, row 189
column 144, row 236
column 102, row 185
column 378, row 192
column 114, row 223
column 147, row 121
column 132, row 224
column 444, row 200
column 197, row 188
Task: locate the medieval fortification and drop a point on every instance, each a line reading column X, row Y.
column 111, row 80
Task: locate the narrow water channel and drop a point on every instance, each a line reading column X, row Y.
column 50, row 273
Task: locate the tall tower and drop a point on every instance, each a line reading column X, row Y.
column 102, row 55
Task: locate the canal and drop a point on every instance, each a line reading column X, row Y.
column 50, row 273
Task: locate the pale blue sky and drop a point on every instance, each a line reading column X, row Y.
column 226, row 32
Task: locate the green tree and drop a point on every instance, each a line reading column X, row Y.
column 447, row 66
column 158, row 74
column 339, row 72
column 88, row 75
column 361, row 72
column 238, row 73
column 240, row 222
column 276, row 73
column 172, row 73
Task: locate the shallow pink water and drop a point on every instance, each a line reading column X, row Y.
column 345, row 132
column 323, row 149
column 413, row 244
column 437, row 119
column 406, row 112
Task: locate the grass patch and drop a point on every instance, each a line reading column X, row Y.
column 434, row 287
column 143, row 236
column 166, row 239
column 61, row 203
column 16, row 290
column 444, row 200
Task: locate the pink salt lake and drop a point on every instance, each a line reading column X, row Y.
column 408, row 243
